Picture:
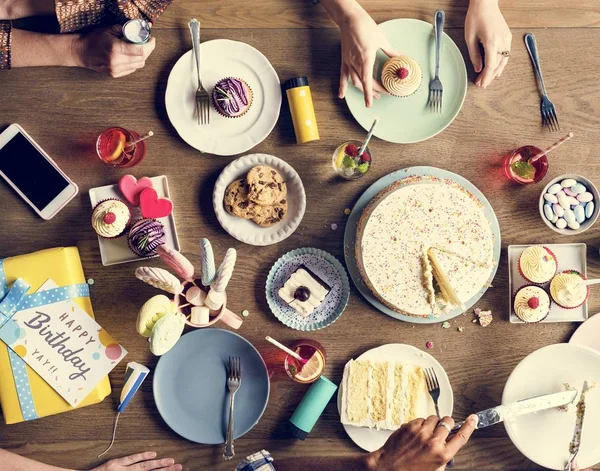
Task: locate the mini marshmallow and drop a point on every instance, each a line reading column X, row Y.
column 215, row 299
column 195, row 296
column 200, row 315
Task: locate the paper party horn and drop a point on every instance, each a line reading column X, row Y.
column 207, row 259
column 135, row 374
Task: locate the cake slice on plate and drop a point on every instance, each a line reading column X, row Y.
column 304, row 291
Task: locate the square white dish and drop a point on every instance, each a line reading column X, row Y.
column 115, row 251
column 570, row 257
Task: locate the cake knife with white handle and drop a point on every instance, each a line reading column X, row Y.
column 498, row 414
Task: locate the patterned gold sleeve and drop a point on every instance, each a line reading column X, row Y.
column 5, row 38
column 74, row 15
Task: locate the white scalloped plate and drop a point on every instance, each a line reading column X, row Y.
column 247, row 231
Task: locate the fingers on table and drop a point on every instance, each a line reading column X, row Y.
column 344, row 78
column 441, row 431
column 137, row 458
column 462, row 436
column 165, row 464
column 474, row 52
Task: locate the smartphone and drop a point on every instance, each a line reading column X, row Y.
column 33, row 174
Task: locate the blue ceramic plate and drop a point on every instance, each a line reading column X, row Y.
column 369, row 194
column 190, row 390
column 326, row 267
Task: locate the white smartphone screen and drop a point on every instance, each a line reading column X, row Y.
column 31, row 172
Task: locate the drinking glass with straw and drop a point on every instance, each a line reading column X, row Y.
column 352, row 159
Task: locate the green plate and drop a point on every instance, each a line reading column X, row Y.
column 407, row 120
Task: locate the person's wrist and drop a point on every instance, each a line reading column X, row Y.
column 343, row 11
column 75, row 47
column 370, row 461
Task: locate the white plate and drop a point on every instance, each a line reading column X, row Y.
column 544, row 437
column 570, row 257
column 246, row 231
column 115, row 251
column 372, row 439
column 588, row 333
column 223, row 58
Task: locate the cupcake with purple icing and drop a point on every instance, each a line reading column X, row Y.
column 145, row 236
column 232, row 97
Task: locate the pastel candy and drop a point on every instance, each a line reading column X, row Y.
column 578, row 188
column 569, row 216
column 207, row 259
column 585, row 197
column 554, row 218
column 574, row 225
column 166, row 332
column 200, row 315
column 158, row 278
column 564, row 201
column 568, row 183
column 180, row 265
column 225, row 271
column 150, row 313
column 554, row 189
column 589, row 209
column 568, row 192
column 195, row 296
column 572, row 201
column 548, row 212
column 579, row 214
column 550, row 198
column 561, row 223
column 215, row 299
column 558, row 210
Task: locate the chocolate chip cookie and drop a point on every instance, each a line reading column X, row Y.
column 265, row 186
column 236, row 200
column 267, row 216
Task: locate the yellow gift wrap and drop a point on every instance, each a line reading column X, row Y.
column 63, row 266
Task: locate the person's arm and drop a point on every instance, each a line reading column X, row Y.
column 361, row 39
column 485, row 24
column 15, row 9
column 18, row 463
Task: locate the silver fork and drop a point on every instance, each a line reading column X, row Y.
column 433, row 386
column 548, row 110
column 435, row 86
column 202, row 109
column 234, row 381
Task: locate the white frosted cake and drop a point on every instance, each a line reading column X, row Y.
column 384, row 395
column 424, row 246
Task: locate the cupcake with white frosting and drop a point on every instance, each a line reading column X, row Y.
column 111, row 218
column 538, row 264
column 531, row 304
column 401, row 76
column 567, row 289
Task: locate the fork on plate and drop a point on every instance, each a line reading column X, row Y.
column 548, row 110
column 433, row 386
column 234, row 381
column 202, row 108
column 436, row 89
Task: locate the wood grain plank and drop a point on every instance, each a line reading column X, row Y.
column 64, row 110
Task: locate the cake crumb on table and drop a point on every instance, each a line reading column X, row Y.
column 429, row 344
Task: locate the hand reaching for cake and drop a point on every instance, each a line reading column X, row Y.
column 484, row 23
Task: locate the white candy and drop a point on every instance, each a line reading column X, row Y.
column 214, row 300
column 563, row 201
column 550, row 198
column 200, row 315
column 554, row 189
column 589, row 209
column 578, row 188
column 558, row 210
column 561, row 192
column 579, row 214
column 195, row 296
column 574, row 225
column 568, row 192
column 569, row 216
column 568, row 183
column 585, row 197
column 548, row 212
column 561, row 223
column 572, row 201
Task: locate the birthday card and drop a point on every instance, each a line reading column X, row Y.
column 64, row 345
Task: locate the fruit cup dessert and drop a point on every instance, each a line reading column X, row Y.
column 348, row 164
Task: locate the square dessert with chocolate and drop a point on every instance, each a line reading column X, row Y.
column 304, row 291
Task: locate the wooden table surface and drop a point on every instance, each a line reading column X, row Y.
column 64, row 110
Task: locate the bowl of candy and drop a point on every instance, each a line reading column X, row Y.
column 569, row 204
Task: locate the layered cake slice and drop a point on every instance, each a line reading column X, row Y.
column 304, row 291
column 384, row 395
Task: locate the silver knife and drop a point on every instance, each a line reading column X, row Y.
column 498, row 414
column 576, row 441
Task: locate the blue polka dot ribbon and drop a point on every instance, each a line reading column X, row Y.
column 15, row 299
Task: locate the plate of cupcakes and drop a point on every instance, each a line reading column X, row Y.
column 245, row 97
column 132, row 219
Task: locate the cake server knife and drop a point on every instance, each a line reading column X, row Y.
column 576, row 441
column 498, row 414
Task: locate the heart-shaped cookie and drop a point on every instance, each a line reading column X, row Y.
column 154, row 207
column 131, row 188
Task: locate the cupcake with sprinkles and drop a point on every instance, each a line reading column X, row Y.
column 145, row 236
column 567, row 289
column 111, row 218
column 232, row 97
column 538, row 264
column 531, row 304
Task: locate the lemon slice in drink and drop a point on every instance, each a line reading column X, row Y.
column 115, row 146
column 312, row 369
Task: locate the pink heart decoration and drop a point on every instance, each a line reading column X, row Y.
column 152, row 206
column 131, row 188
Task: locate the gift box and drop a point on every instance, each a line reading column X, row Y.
column 24, row 395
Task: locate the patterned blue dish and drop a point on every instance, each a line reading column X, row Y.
column 326, row 267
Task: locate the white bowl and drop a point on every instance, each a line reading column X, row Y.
column 588, row 222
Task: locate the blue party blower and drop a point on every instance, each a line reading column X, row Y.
column 135, row 374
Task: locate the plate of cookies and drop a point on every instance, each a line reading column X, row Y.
column 259, row 199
